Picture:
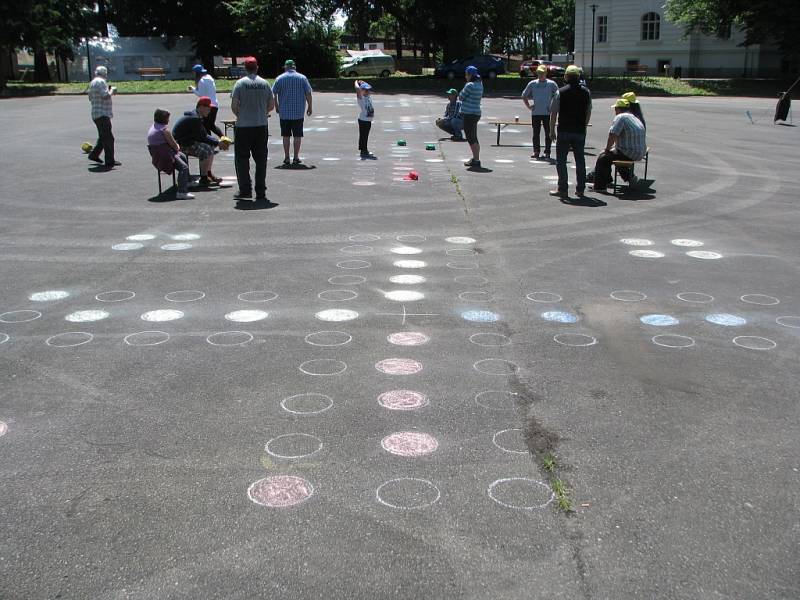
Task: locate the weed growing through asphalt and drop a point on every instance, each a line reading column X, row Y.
column 562, row 495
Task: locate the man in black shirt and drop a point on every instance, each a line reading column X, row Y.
column 191, row 135
column 571, row 109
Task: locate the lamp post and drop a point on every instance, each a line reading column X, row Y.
column 594, row 20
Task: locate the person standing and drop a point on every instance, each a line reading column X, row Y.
column 626, row 141
column 452, row 121
column 470, row 97
column 292, row 92
column 571, row 109
column 366, row 112
column 251, row 102
column 205, row 86
column 100, row 94
column 542, row 91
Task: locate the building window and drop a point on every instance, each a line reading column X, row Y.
column 651, row 26
column 602, row 29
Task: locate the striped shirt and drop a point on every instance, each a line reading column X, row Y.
column 254, row 95
column 100, row 97
column 291, row 88
column 631, row 136
column 470, row 97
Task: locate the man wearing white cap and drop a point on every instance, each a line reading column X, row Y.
column 100, row 97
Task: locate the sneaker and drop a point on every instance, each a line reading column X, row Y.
column 214, row 179
column 184, row 196
column 296, row 161
column 558, row 193
column 535, row 156
column 472, row 163
column 286, row 161
column 241, row 194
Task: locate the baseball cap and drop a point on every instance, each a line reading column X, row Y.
column 452, row 91
column 199, row 69
column 204, row 101
column 472, row 70
column 250, row 61
column 630, row 97
column 541, row 69
column 573, row 70
column 621, row 103
column 289, row 64
column 365, row 86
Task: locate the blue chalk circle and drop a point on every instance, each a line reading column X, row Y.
column 480, row 316
column 559, row 316
column 725, row 319
column 659, row 320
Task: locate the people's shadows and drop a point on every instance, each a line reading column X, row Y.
column 786, row 124
column 643, row 190
column 585, row 201
column 265, row 204
column 450, row 139
column 99, row 169
column 479, row 170
column 300, row 167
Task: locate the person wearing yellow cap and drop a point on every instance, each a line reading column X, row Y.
column 636, row 107
column 626, row 141
column 571, row 110
column 542, row 91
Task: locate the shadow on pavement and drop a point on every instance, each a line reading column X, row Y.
column 300, row 167
column 242, row 204
column 586, row 201
column 479, row 170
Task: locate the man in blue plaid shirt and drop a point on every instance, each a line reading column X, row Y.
column 292, row 91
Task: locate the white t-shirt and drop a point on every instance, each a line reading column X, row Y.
column 207, row 87
column 367, row 110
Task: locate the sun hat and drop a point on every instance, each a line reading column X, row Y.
column 452, row 91
column 365, row 86
column 472, row 70
column 630, row 97
column 250, row 61
column 573, row 70
column 204, row 101
column 541, row 69
column 199, row 69
column 289, row 64
column 621, row 103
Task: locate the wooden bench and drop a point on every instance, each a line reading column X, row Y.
column 228, row 124
column 629, row 164
column 636, row 70
column 151, row 72
column 503, row 124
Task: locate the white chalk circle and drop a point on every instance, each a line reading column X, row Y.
column 354, row 264
column 229, row 338
column 408, row 338
column 409, row 443
column 126, row 246
column 695, row 297
column 307, row 404
column 511, row 441
column 476, row 297
column 407, row 493
column 291, row 446
column 185, row 237
column 86, row 316
column 48, row 296
column 496, row 366
column 432, row 160
column 69, row 339
column 628, row 296
column 146, row 338
column 673, row 341
column 364, row 237
column 471, row 280
column 185, row 296
column 337, row 295
column 753, row 342
column 140, row 237
column 406, row 250
column 357, row 249
column 407, row 279
column 726, row 319
column 460, row 240
column 575, row 340
column 330, row 158
column 403, row 295
column 246, row 316
column 346, row 280
column 463, row 265
column 558, row 316
column 399, row 366
column 4, row 337
column 115, row 296
column 336, row 315
column 505, row 161
column 410, row 264
column 323, row 367
column 704, row 254
column 460, row 252
column 646, row 254
column 3, row 428
column 544, row 297
column 257, row 296
column 521, row 493
column 411, row 238
column 328, row 339
column 760, row 299
column 156, row 316
column 480, row 316
column 687, row 243
column 403, row 400
column 280, row 491
column 636, row 242
column 659, row 320
column 490, row 340
column 19, row 316
column 789, row 321
column 174, row 247
column 363, row 183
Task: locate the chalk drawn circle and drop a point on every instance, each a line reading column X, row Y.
column 704, row 254
column 480, row 316
column 399, row 366
column 496, row 366
column 726, row 319
column 490, row 340
column 544, row 297
column 409, row 443
column 408, row 338
column 185, row 296
column 328, row 339
column 140, row 237
column 307, row 404
column 628, row 296
column 460, row 240
column 354, row 264
column 157, row 316
column 575, row 340
column 69, row 339
column 127, row 246
column 460, row 252
column 323, row 367
column 185, row 237
column 337, row 295
column 407, row 493
column 636, row 242
column 410, row 264
column 403, row 400
column 86, row 316
column 471, row 280
column 411, row 239
column 280, row 491
column 357, row 250
column 753, row 342
column 695, row 297
column 659, row 320
column 346, row 280
column 559, row 316
column 48, row 296
column 146, row 338
column 463, row 265
column 433, row 160
column 508, row 440
column 4, row 337
column 336, row 315
column 406, row 250
column 115, row 296
column 407, row 279
column 308, row 446
column 176, row 247
column 673, row 341
column 403, row 295
column 3, row 428
column 521, row 493
column 687, row 243
column 229, row 338
column 361, row 238
column 476, row 297
column 246, row 316
column 19, row 316
column 646, row 254
column 789, row 321
column 257, row 296
column 760, row 299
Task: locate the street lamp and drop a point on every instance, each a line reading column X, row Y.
column 594, row 20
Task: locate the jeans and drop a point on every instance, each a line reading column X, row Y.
column 566, row 141
column 538, row 121
column 602, row 168
column 182, row 167
column 363, row 135
column 105, row 140
column 210, row 122
column 251, row 141
column 453, row 126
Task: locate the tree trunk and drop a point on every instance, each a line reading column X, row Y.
column 102, row 17
column 5, row 68
column 426, row 53
column 398, row 42
column 41, row 73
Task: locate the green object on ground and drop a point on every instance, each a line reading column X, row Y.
column 401, row 142
column 430, row 146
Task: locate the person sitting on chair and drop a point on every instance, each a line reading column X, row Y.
column 452, row 122
column 192, row 136
column 626, row 141
column 166, row 153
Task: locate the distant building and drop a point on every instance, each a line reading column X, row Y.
column 632, row 34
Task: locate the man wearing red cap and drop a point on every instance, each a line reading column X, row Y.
column 191, row 135
column 251, row 102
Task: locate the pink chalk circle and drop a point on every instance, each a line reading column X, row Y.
column 408, row 338
column 402, row 400
column 409, row 443
column 407, row 493
column 3, row 428
column 399, row 366
column 521, row 493
column 280, row 491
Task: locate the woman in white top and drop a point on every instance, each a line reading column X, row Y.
column 364, row 117
column 205, row 86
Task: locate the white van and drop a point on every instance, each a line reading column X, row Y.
column 360, row 66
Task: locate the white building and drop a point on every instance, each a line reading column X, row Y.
column 630, row 35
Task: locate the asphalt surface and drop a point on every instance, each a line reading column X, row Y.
column 197, row 462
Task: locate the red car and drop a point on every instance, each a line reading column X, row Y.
column 528, row 69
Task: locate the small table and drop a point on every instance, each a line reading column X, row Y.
column 503, row 124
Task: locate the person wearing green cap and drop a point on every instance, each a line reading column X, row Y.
column 626, row 141
column 452, row 122
column 292, row 92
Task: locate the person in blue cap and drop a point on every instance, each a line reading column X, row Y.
column 365, row 116
column 204, row 86
column 470, row 97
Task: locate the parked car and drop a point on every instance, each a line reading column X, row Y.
column 381, row 65
column 488, row 66
column 528, row 69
